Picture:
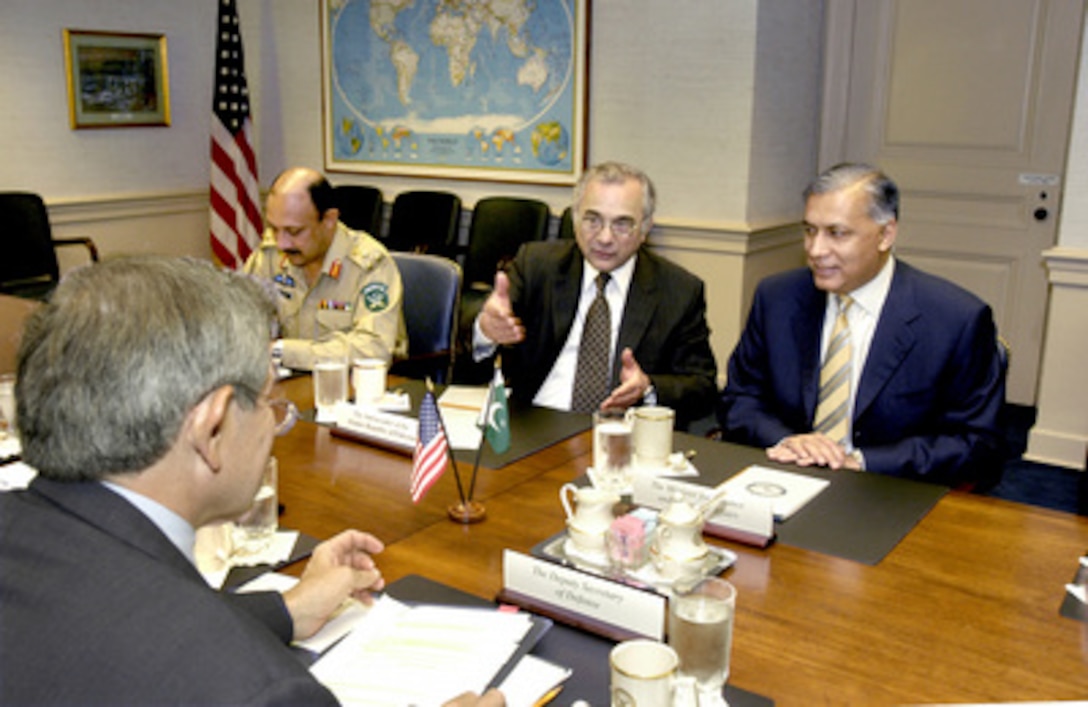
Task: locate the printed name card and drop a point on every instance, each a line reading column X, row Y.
column 747, row 520
column 369, row 424
column 635, row 610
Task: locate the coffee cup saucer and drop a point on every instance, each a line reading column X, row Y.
column 597, row 558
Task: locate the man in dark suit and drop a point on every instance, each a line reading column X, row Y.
column 923, row 384
column 143, row 401
column 658, row 348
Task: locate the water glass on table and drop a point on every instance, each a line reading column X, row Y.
column 254, row 529
column 701, row 632
column 612, row 450
column 330, row 386
column 7, row 405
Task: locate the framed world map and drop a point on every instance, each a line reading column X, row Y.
column 487, row 89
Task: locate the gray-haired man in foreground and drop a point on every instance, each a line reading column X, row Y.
column 144, row 402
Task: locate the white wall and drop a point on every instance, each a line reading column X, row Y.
column 1073, row 226
column 42, row 153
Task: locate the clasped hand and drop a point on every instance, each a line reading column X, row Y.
column 812, row 449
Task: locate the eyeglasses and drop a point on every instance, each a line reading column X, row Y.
column 593, row 223
column 286, row 415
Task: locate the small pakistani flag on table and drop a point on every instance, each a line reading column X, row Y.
column 495, row 419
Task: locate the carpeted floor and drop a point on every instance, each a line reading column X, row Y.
column 1037, row 484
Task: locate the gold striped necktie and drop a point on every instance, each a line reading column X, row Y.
column 834, row 404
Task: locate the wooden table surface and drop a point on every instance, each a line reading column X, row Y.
column 964, row 609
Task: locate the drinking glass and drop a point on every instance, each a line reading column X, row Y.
column 612, row 450
column 701, row 632
column 330, row 386
column 7, row 405
column 254, row 529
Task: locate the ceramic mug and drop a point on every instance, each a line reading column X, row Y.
column 645, row 673
column 652, row 430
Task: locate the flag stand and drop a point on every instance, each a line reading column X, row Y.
column 467, row 512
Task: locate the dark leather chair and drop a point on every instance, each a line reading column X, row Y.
column 360, row 208
column 500, row 224
column 29, row 267
column 566, row 223
column 425, row 222
column 432, row 295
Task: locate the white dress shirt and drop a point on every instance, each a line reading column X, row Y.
column 558, row 387
column 862, row 317
column 173, row 526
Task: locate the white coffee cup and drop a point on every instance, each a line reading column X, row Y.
column 368, row 379
column 652, row 429
column 644, row 673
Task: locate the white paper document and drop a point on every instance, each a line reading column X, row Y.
column 788, row 492
column 16, row 475
column 422, row 655
column 460, row 406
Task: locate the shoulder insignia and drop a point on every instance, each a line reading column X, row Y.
column 376, row 296
column 334, row 269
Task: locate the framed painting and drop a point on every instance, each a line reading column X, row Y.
column 489, row 90
column 116, row 79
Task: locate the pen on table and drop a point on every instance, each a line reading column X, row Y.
column 548, row 696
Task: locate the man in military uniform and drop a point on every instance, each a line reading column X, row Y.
column 339, row 291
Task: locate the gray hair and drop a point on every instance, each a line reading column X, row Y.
column 110, row 367
column 618, row 173
column 882, row 191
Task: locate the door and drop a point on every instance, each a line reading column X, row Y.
column 967, row 105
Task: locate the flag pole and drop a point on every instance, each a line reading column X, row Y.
column 466, row 510
column 449, row 452
column 483, row 428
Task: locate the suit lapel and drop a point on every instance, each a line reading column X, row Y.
column 568, row 285
column 892, row 340
column 807, row 325
column 638, row 310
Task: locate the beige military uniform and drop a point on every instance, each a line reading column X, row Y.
column 353, row 310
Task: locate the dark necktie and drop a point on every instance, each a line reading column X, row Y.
column 592, row 375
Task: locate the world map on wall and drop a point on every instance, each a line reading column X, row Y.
column 457, row 83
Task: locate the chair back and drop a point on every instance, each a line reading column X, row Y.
column 432, row 294
column 360, row 208
column 500, row 225
column 566, row 223
column 425, row 222
column 30, row 260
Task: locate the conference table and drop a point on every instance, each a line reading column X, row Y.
column 963, row 609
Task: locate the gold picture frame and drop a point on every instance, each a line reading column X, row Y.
column 116, row 79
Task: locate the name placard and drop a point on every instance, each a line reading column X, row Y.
column 750, row 520
column 634, row 610
column 386, row 429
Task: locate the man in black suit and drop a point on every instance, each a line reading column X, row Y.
column 143, row 401
column 658, row 344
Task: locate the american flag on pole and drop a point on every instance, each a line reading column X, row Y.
column 431, row 455
column 235, row 197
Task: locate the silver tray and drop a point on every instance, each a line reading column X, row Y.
column 717, row 560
